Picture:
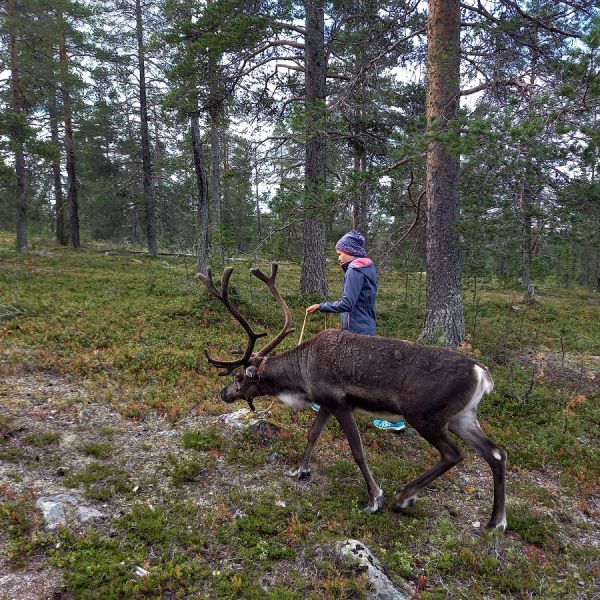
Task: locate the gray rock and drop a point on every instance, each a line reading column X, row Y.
column 61, row 498
column 54, row 510
column 264, row 430
column 53, row 513
column 64, row 499
column 170, row 433
column 238, row 419
column 358, row 554
column 245, row 419
column 85, row 415
column 87, row 513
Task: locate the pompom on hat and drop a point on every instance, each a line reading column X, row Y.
column 352, row 243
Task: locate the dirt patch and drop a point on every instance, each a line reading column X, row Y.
column 40, row 404
column 579, row 372
column 36, row 582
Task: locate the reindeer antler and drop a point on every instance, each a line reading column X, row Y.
column 229, row 365
column 223, row 295
column 288, row 326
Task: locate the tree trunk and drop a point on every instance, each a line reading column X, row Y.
column 59, row 207
column 444, row 315
column 359, row 201
column 17, row 135
column 164, row 213
column 202, row 187
column 257, row 199
column 525, row 209
column 138, row 225
column 215, row 176
column 71, row 163
column 597, row 275
column 149, row 197
column 526, row 190
column 313, row 277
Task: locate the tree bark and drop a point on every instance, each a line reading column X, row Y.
column 71, row 161
column 17, row 135
column 215, row 179
column 526, row 190
column 59, row 207
column 149, row 196
column 444, row 315
column 359, row 201
column 526, row 203
column 257, row 199
column 202, row 188
column 215, row 112
column 313, row 277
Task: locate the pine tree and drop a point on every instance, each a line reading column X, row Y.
column 444, row 316
column 16, row 129
column 313, row 277
column 148, row 180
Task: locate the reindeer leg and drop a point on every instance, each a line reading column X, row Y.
column 466, row 426
column 302, row 471
column 346, row 420
column 450, row 454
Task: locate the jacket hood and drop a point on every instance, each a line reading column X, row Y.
column 367, row 267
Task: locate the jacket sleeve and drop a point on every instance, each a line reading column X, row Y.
column 352, row 286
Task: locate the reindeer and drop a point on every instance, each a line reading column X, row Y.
column 435, row 390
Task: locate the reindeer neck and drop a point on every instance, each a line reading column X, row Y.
column 281, row 373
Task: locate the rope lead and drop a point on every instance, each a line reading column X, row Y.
column 302, row 331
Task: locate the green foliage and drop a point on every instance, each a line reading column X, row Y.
column 19, row 521
column 13, row 455
column 104, row 568
column 184, row 470
column 98, row 449
column 43, row 439
column 208, row 439
column 533, row 527
column 100, row 481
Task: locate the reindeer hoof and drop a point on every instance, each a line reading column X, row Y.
column 402, row 505
column 375, row 506
column 499, row 526
column 299, row 474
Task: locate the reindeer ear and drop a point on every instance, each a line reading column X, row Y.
column 252, row 374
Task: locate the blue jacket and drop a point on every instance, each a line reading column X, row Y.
column 357, row 304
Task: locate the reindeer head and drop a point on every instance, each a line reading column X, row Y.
column 245, row 384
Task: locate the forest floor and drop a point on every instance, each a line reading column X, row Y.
column 109, row 411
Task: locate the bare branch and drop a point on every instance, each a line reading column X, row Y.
column 496, row 83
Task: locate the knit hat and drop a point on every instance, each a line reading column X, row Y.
column 352, row 243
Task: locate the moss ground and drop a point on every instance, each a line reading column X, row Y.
column 207, row 510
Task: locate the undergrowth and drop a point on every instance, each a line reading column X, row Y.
column 136, row 329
